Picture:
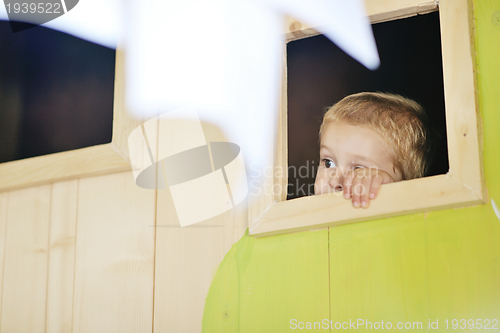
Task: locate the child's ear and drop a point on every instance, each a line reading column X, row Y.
column 397, row 173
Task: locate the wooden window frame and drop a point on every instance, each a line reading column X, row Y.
column 85, row 162
column 270, row 213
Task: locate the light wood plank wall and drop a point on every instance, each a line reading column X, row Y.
column 187, row 258
column 114, row 261
column 61, row 264
column 101, row 254
column 26, row 260
column 79, row 256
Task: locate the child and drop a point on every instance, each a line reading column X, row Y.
column 370, row 139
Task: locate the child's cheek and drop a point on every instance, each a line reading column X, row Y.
column 322, row 179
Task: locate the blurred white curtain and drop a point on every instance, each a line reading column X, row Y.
column 220, row 56
column 223, row 57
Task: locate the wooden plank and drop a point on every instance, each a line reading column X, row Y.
column 458, row 76
column 294, row 30
column 114, row 263
column 486, row 28
column 123, row 122
column 377, row 7
column 378, row 271
column 263, row 284
column 85, row 162
column 279, row 281
column 186, row 261
column 187, row 258
column 281, row 148
column 3, row 236
column 320, row 211
column 377, row 10
column 25, row 264
column 464, row 275
column 61, row 257
column 387, row 10
column 464, row 272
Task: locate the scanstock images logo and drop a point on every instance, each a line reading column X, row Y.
column 205, row 179
column 25, row 14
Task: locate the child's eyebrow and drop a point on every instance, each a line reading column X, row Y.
column 364, row 158
column 325, row 148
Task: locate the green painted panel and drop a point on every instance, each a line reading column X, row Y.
column 440, row 265
column 463, row 264
column 378, row 271
column 487, row 52
column 270, row 281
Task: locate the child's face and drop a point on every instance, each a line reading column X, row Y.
column 346, row 147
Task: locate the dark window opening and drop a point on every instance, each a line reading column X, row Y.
column 56, row 92
column 320, row 75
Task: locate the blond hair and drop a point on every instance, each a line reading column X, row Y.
column 400, row 121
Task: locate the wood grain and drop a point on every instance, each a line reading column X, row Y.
column 458, row 76
column 264, row 283
column 463, row 279
column 387, row 10
column 187, row 257
column 85, row 162
column 61, row 257
column 425, row 194
column 303, row 282
column 281, row 148
column 114, row 256
column 26, row 259
column 485, row 27
column 377, row 10
column 378, row 271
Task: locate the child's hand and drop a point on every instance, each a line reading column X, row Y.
column 362, row 184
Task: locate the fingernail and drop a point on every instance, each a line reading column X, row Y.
column 363, row 204
column 372, row 195
column 355, row 204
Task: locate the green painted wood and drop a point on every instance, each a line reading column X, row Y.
column 487, row 55
column 439, row 265
column 463, row 264
column 270, row 281
column 378, row 272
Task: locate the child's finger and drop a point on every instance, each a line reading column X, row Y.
column 356, row 191
column 376, row 183
column 364, row 199
column 386, row 178
column 347, row 184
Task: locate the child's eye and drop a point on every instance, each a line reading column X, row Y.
column 329, row 163
column 358, row 167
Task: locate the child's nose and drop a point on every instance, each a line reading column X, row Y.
column 336, row 183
